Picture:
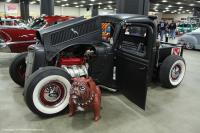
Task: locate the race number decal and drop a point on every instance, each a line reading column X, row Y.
column 176, row 51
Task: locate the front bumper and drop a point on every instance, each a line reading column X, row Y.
column 4, row 48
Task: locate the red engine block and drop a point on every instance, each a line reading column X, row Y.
column 68, row 61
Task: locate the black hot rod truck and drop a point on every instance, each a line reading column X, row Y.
column 117, row 51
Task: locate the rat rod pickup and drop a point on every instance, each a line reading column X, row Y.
column 118, row 51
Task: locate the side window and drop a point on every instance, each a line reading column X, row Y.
column 134, row 40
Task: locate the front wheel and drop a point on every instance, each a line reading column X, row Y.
column 172, row 71
column 47, row 91
column 17, row 69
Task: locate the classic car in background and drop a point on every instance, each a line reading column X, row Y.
column 190, row 40
column 186, row 27
column 17, row 39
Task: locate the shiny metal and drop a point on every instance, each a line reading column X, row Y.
column 29, row 63
column 107, row 88
column 4, row 48
column 76, row 71
column 52, row 93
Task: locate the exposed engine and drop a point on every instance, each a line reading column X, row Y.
column 76, row 66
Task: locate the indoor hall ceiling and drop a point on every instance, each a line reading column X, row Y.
column 165, row 6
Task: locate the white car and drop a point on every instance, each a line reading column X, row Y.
column 191, row 40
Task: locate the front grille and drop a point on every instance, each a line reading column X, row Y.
column 29, row 63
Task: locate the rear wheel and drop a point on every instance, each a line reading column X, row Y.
column 47, row 91
column 172, row 71
column 17, row 69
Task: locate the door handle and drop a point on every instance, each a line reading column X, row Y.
column 142, row 68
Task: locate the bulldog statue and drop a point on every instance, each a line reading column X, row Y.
column 84, row 93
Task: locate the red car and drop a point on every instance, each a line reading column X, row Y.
column 16, row 39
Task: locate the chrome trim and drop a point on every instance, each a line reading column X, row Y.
column 17, row 42
column 107, row 88
column 4, row 48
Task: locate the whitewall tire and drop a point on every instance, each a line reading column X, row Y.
column 172, row 71
column 47, row 91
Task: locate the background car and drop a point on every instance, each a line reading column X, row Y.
column 17, row 39
column 186, row 27
column 190, row 40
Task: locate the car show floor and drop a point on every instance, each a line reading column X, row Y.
column 167, row 110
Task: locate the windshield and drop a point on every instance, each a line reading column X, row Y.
column 37, row 24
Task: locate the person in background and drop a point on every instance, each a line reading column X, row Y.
column 162, row 27
column 172, row 28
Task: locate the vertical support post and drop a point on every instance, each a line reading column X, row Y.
column 47, row 7
column 24, row 9
column 133, row 6
column 95, row 10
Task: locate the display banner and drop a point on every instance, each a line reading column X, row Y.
column 11, row 8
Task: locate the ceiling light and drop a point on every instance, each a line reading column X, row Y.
column 110, row 1
column 178, row 3
column 181, row 7
column 58, row 1
column 99, row 3
column 75, row 3
column 105, row 8
column 83, row 1
column 91, row 4
column 81, row 5
column 170, row 6
column 76, row 6
column 164, row 1
column 157, row 4
column 32, row 2
column 191, row 4
column 198, row 1
column 62, row 5
column 92, row 0
column 66, row 4
column 64, row 0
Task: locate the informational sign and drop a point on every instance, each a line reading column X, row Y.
column 11, row 8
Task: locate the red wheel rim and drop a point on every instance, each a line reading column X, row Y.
column 176, row 71
column 52, row 93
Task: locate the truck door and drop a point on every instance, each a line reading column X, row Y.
column 134, row 61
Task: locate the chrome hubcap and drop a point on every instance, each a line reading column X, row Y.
column 52, row 93
column 176, row 71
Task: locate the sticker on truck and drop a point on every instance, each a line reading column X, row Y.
column 176, row 51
